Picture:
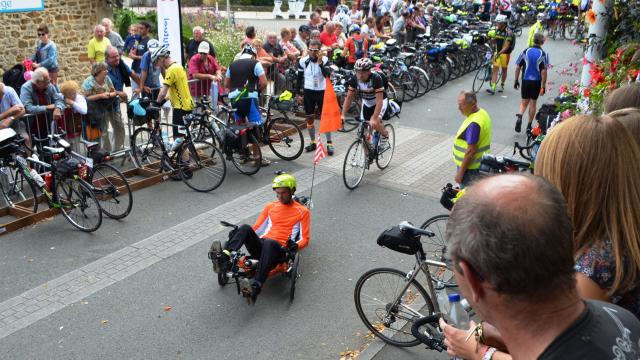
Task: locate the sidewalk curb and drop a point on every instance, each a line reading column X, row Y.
column 372, row 350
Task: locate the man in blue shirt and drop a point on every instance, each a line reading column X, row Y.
column 533, row 62
column 10, row 106
column 120, row 75
column 150, row 74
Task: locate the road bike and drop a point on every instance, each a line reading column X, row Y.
column 108, row 184
column 389, row 300
column 484, row 71
column 198, row 162
column 363, row 152
column 63, row 186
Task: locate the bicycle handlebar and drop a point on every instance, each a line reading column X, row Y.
column 432, row 342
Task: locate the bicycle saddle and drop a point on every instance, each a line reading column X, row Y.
column 411, row 230
column 89, row 144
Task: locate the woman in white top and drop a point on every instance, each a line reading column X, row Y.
column 355, row 14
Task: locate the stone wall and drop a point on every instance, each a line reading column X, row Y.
column 70, row 23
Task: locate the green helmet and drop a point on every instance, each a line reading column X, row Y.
column 284, row 181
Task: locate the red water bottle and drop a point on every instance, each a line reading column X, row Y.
column 48, row 180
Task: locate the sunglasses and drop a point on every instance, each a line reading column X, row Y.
column 314, row 50
column 41, row 34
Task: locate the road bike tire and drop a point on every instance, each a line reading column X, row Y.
column 435, row 248
column 293, row 277
column 285, row 138
column 570, row 32
column 146, row 148
column 438, row 75
column 246, row 161
column 529, row 151
column 353, row 114
column 385, row 154
column 480, row 78
column 355, row 163
column 74, row 195
column 384, row 318
column 205, row 168
column 422, row 79
column 17, row 188
column 112, row 191
column 409, row 84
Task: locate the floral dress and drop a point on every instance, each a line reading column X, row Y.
column 598, row 264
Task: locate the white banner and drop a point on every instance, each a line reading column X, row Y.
column 7, row 6
column 169, row 27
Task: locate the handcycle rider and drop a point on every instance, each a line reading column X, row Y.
column 268, row 239
column 371, row 87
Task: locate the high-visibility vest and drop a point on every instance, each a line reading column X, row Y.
column 535, row 28
column 480, row 117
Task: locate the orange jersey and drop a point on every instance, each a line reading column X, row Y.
column 279, row 222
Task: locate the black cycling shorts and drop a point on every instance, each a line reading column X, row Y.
column 530, row 89
column 313, row 99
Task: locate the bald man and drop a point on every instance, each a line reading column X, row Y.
column 97, row 47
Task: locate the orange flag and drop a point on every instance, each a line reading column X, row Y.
column 330, row 117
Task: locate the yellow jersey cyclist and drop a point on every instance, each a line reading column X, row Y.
column 371, row 87
column 504, row 41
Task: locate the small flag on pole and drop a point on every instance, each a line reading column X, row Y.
column 320, row 152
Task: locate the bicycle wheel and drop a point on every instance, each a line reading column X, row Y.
column 375, row 294
column 285, row 138
column 422, row 80
column 79, row 205
column 480, row 78
column 203, row 131
column 570, row 31
column 112, row 191
column 409, row 85
column 385, row 149
column 146, row 147
column 435, row 248
column 247, row 159
column 355, row 163
column 202, row 166
column 438, row 75
column 353, row 114
column 16, row 188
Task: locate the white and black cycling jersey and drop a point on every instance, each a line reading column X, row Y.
column 369, row 89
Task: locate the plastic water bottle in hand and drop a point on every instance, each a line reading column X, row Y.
column 457, row 314
column 443, row 301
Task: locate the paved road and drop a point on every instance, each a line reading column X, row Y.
column 68, row 295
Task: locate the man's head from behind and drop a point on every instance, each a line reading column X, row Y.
column 510, row 241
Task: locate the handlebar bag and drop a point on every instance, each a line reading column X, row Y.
column 392, row 238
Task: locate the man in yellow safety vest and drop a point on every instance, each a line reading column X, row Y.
column 535, row 28
column 473, row 138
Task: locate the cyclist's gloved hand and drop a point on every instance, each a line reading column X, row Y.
column 516, row 84
column 292, row 246
column 542, row 91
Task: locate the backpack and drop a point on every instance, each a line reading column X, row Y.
column 359, row 46
column 14, row 77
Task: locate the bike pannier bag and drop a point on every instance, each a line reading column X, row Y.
column 394, row 239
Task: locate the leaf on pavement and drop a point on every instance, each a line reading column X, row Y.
column 104, row 322
column 167, row 308
column 349, row 354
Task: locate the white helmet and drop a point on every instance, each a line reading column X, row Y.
column 501, row 19
column 158, row 53
column 541, row 16
column 153, row 44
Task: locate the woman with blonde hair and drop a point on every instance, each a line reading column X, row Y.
column 595, row 163
column 630, row 118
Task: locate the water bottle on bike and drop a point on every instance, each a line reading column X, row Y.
column 458, row 316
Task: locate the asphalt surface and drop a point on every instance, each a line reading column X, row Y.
column 130, row 319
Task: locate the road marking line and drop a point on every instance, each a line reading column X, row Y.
column 38, row 303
